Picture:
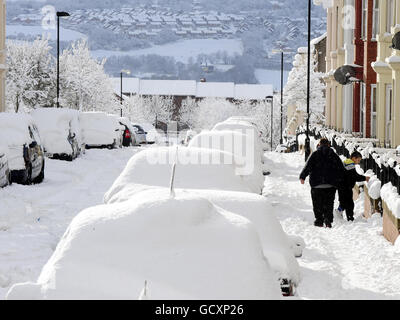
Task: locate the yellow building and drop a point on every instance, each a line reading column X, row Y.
column 2, row 54
column 339, row 52
column 387, row 67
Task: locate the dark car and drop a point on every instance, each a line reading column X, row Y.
column 25, row 153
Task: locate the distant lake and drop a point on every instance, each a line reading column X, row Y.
column 65, row 34
column 183, row 50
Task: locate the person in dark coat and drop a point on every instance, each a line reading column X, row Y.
column 351, row 176
column 326, row 173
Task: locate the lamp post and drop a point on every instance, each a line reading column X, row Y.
column 272, row 117
column 307, row 149
column 59, row 14
column 281, row 52
column 128, row 73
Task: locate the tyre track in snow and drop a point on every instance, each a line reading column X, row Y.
column 349, row 261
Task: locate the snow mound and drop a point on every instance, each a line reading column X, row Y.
column 374, row 187
column 241, row 146
column 184, row 248
column 153, row 166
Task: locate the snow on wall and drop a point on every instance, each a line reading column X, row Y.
column 185, row 248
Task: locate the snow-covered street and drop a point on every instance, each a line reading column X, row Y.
column 349, row 261
column 33, row 218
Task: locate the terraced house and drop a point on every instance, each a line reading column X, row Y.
column 2, row 54
column 387, row 67
column 352, row 31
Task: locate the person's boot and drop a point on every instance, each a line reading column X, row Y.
column 318, row 223
column 350, row 218
column 328, row 224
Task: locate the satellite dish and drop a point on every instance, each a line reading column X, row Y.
column 396, row 41
column 345, row 74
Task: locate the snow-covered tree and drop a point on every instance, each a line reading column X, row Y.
column 30, row 75
column 83, row 83
column 187, row 111
column 296, row 87
column 149, row 109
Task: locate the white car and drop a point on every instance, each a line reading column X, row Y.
column 60, row 132
column 101, row 130
column 195, row 170
column 140, row 133
column 5, row 176
column 243, row 147
column 156, row 247
column 220, row 185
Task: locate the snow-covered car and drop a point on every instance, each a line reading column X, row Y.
column 24, row 150
column 5, row 176
column 243, row 147
column 140, row 134
column 196, row 168
column 101, row 130
column 128, row 135
column 60, row 132
column 156, row 247
column 280, row 249
column 246, row 128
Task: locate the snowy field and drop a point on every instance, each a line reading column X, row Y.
column 349, row 261
column 65, row 34
column 33, row 218
column 181, row 50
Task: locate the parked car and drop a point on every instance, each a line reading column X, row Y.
column 140, row 134
column 5, row 176
column 156, row 247
column 24, row 150
column 100, row 130
column 60, row 132
column 147, row 172
column 128, row 135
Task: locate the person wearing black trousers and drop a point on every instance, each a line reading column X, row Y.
column 346, row 202
column 326, row 173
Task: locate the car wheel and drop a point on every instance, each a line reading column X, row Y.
column 40, row 177
column 27, row 177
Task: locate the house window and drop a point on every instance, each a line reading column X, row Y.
column 390, row 14
column 364, row 29
column 373, row 109
column 375, row 19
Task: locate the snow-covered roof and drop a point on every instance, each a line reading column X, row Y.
column 130, row 85
column 253, row 91
column 168, row 87
column 216, row 89
column 319, row 39
column 192, row 88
